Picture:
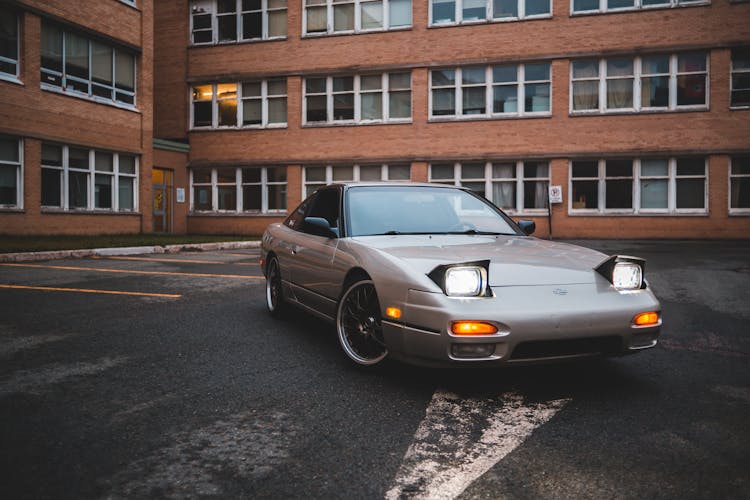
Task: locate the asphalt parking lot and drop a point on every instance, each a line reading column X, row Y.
column 164, row 377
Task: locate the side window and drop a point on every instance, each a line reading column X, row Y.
column 294, row 221
column 326, row 206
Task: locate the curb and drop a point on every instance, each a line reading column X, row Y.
column 78, row 254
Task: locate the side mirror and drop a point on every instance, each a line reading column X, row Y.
column 527, row 226
column 319, row 227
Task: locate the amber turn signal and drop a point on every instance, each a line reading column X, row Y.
column 393, row 312
column 646, row 319
column 473, row 328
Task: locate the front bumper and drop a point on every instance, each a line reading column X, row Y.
column 535, row 323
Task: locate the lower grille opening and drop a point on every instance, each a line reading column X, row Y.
column 605, row 346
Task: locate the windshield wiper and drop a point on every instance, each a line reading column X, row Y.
column 483, row 233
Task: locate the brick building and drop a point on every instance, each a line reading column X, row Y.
column 638, row 109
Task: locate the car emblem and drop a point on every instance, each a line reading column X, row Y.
column 560, row 291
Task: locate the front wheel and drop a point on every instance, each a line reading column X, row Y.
column 274, row 292
column 359, row 326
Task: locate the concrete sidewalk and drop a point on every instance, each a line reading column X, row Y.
column 67, row 254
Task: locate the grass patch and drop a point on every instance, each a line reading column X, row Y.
column 12, row 244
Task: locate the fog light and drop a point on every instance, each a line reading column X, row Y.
column 473, row 328
column 393, row 312
column 472, row 350
column 650, row 318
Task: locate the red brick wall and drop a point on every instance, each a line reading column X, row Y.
column 170, row 61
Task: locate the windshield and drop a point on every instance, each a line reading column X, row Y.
column 421, row 210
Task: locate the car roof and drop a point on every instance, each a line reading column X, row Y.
column 347, row 185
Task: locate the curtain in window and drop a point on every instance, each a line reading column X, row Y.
column 316, row 16
column 124, row 70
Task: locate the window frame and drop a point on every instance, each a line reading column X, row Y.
column 489, row 84
column 731, row 177
column 519, row 181
column 636, row 178
column 385, row 174
column 239, row 183
column 19, row 169
column 732, row 73
column 458, row 12
column 357, row 119
column 357, row 29
column 240, row 98
column 65, row 169
column 637, row 87
column 239, row 27
column 13, row 77
column 637, row 6
column 63, row 76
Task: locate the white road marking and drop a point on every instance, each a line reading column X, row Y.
column 444, row 458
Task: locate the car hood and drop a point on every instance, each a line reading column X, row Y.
column 514, row 260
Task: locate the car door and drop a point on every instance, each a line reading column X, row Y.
column 316, row 283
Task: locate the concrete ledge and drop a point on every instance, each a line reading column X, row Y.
column 78, row 254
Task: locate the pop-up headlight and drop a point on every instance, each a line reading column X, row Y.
column 463, row 280
column 625, row 273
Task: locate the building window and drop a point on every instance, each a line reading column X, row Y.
column 510, row 90
column 516, row 187
column 739, row 185
column 8, row 43
column 252, row 104
column 603, row 6
column 11, row 174
column 229, row 21
column 75, row 178
column 635, row 84
column 638, row 186
column 239, row 189
column 87, row 68
column 451, row 12
column 741, row 77
column 358, row 99
column 324, row 17
column 315, row 177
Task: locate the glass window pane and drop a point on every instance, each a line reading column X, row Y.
column 277, row 23
column 103, row 191
column 654, row 193
column 537, row 97
column 76, row 56
column 741, row 166
column 226, row 176
column 399, row 172
column 51, row 47
column 740, row 196
column 619, row 168
column 51, row 187
column 125, row 193
column 505, row 8
column 124, row 71
column 343, row 106
column 372, row 106
column 78, row 189
column 691, row 62
column 443, row 11
column 472, row 171
column 619, row 193
column 8, row 149
column 251, row 89
column 655, row 65
column 276, row 87
column 535, row 72
column 586, row 95
column 276, row 174
column 343, row 174
column 535, row 169
column 51, row 155
column 474, row 10
column 586, row 69
column 443, row 102
column 474, row 101
column 505, row 74
column 620, row 93
column 277, row 197
column 619, row 67
column 691, row 193
column 371, row 82
column 227, row 198
column 252, row 25
column 399, row 104
column 620, row 4
column 127, row 164
column 228, row 113
column 202, row 176
column 535, row 194
column 202, row 198
column 741, row 58
column 8, row 34
column 584, row 5
column 537, row 7
column 277, row 110
column 504, row 99
column 315, row 174
column 655, row 92
column 343, row 17
column 441, row 78
column 472, row 76
column 504, row 171
column 251, row 198
column 585, row 195
column 654, row 168
column 78, row 158
column 399, row 81
column 227, row 28
column 251, row 175
column 315, row 85
column 585, row 169
column 8, row 179
column 504, row 194
column 103, row 162
column 372, row 15
column 442, row 171
column 691, row 90
column 370, row 173
column 252, row 113
column 400, row 13
column 316, row 109
column 202, row 114
column 691, row 166
column 343, row 84
column 101, row 64
column 316, row 19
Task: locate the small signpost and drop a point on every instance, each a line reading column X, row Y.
column 555, row 196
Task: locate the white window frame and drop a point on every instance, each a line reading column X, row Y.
column 356, row 177
column 238, row 184
column 13, row 77
column 489, row 14
column 734, row 71
column 638, row 5
column 636, row 209
column 489, row 179
column 212, row 10
column 736, row 210
column 357, row 120
column 637, row 87
column 91, row 172
column 19, row 175
column 329, row 6
column 240, row 98
column 489, row 85
column 89, row 81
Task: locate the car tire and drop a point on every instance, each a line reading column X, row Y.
column 359, row 325
column 274, row 290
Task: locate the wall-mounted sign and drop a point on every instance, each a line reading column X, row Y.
column 555, row 194
column 180, row 195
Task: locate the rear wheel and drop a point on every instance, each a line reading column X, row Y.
column 274, row 292
column 359, row 325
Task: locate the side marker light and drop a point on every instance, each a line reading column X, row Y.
column 646, row 319
column 473, row 328
column 393, row 312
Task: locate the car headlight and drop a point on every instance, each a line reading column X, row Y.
column 625, row 273
column 463, row 280
column 627, row 276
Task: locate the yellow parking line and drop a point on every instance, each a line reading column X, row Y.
column 128, row 271
column 183, row 261
column 85, row 290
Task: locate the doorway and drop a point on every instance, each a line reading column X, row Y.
column 162, row 180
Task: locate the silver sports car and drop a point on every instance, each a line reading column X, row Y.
column 435, row 274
